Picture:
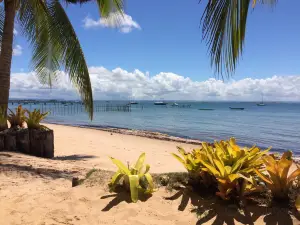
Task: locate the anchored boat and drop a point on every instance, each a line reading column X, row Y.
column 233, row 108
column 262, row 101
column 160, row 103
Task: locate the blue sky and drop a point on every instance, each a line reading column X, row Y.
column 169, row 40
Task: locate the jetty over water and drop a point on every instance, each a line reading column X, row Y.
column 59, row 107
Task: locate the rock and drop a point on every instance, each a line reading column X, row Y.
column 75, row 181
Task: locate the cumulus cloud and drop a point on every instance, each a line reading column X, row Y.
column 17, row 50
column 124, row 22
column 122, row 84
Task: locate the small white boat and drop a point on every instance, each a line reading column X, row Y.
column 262, row 101
column 175, row 104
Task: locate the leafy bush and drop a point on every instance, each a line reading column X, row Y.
column 17, row 118
column 231, row 166
column 191, row 162
column 278, row 180
column 297, row 203
column 135, row 179
column 34, row 118
column 3, row 119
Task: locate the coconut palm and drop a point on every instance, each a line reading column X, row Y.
column 223, row 27
column 53, row 40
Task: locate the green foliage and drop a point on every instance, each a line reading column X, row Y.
column 17, row 118
column 136, row 178
column 54, row 42
column 34, row 118
column 297, row 203
column 278, row 180
column 191, row 162
column 232, row 166
column 224, row 29
column 3, row 118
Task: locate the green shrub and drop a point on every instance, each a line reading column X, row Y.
column 277, row 179
column 34, row 118
column 231, row 166
column 17, row 118
column 135, row 179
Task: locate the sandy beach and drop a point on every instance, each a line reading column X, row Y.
column 39, row 191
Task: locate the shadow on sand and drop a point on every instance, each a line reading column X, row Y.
column 218, row 212
column 121, row 195
column 74, row 157
column 42, row 172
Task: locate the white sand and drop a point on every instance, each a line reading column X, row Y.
column 38, row 191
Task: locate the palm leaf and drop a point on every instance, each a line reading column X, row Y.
column 55, row 45
column 2, row 15
column 224, row 26
column 105, row 6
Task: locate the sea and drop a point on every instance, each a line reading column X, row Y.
column 275, row 124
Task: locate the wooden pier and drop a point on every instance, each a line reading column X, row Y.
column 68, row 107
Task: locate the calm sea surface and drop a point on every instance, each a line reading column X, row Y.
column 276, row 124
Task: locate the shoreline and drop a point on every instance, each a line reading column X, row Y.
column 159, row 136
column 133, row 132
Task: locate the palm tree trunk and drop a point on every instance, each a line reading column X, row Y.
column 6, row 54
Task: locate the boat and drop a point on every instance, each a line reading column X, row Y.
column 206, row 109
column 134, row 103
column 233, row 108
column 160, row 103
column 175, row 104
column 262, row 101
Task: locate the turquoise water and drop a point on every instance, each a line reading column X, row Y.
column 276, row 124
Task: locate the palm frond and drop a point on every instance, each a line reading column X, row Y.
column 55, row 45
column 2, row 17
column 266, row 2
column 224, row 26
column 105, row 6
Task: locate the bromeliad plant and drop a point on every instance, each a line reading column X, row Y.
column 34, row 118
column 136, row 178
column 232, row 166
column 17, row 118
column 278, row 180
column 191, row 162
column 3, row 119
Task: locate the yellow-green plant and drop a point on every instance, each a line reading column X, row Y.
column 191, row 162
column 277, row 179
column 34, row 118
column 232, row 166
column 17, row 118
column 297, row 203
column 136, row 178
column 3, row 119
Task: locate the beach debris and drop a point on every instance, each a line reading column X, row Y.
column 75, row 181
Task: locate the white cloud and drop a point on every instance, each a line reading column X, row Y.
column 124, row 22
column 17, row 51
column 120, row 83
column 15, row 32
